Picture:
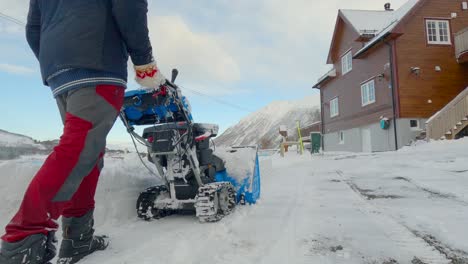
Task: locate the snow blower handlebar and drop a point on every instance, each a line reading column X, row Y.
column 175, row 72
column 141, row 97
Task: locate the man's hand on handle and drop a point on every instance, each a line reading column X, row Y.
column 149, row 76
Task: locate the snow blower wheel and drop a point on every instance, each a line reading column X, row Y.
column 146, row 209
column 214, row 201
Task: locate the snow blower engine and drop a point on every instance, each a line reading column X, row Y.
column 195, row 178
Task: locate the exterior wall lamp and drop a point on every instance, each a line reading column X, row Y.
column 416, row 71
column 380, row 77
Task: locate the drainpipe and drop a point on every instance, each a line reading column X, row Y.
column 322, row 121
column 392, row 85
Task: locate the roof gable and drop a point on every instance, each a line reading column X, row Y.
column 391, row 30
column 367, row 20
column 376, row 23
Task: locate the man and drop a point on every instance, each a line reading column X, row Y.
column 82, row 47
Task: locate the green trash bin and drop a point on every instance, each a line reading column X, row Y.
column 316, row 141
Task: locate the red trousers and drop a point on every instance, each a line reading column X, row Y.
column 66, row 182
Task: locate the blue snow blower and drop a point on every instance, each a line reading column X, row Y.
column 195, row 177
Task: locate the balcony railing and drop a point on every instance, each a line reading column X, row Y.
column 448, row 121
column 461, row 45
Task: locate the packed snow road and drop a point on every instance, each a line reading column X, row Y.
column 404, row 207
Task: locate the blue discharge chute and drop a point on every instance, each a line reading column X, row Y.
column 243, row 171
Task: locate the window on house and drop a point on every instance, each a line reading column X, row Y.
column 347, row 63
column 334, row 109
column 368, row 93
column 341, row 135
column 438, row 31
column 414, row 124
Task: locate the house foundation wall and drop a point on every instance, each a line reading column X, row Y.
column 372, row 138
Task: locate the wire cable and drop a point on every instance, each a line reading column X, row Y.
column 129, row 130
column 142, row 161
column 12, row 19
column 220, row 101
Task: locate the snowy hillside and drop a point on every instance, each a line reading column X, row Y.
column 403, row 207
column 8, row 139
column 14, row 145
column 262, row 126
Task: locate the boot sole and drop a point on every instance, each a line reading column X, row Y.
column 76, row 258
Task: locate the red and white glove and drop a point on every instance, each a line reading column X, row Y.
column 149, row 76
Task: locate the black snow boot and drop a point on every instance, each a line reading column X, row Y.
column 34, row 249
column 79, row 240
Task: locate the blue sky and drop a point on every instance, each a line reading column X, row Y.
column 245, row 52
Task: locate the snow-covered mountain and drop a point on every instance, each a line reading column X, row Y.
column 8, row 139
column 14, row 145
column 262, row 127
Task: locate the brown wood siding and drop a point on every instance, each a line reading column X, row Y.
column 413, row 51
column 348, row 87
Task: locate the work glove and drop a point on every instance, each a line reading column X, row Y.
column 149, row 76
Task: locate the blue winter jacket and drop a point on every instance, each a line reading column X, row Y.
column 88, row 34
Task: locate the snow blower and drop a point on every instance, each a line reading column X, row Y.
column 196, row 178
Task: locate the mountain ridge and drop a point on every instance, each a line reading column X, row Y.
column 261, row 127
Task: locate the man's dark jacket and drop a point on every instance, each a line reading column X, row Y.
column 88, row 34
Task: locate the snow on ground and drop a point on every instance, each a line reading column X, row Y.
column 409, row 206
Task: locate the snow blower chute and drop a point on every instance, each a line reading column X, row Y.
column 196, row 176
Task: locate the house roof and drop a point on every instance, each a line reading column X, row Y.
column 378, row 23
column 329, row 75
column 367, row 20
column 372, row 21
column 391, row 22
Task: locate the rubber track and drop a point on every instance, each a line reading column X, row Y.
column 206, row 201
column 145, row 204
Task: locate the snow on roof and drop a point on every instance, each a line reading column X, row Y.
column 381, row 22
column 368, row 20
column 330, row 74
column 372, row 20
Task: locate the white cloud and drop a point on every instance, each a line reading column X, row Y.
column 285, row 41
column 15, row 69
column 200, row 57
column 17, row 8
column 10, row 28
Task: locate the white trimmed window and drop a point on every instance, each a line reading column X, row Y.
column 347, row 62
column 334, row 108
column 368, row 93
column 438, row 32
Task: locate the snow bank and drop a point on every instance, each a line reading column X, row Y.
column 122, row 179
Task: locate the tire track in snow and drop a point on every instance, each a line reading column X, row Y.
column 447, row 196
column 456, row 256
column 397, row 232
